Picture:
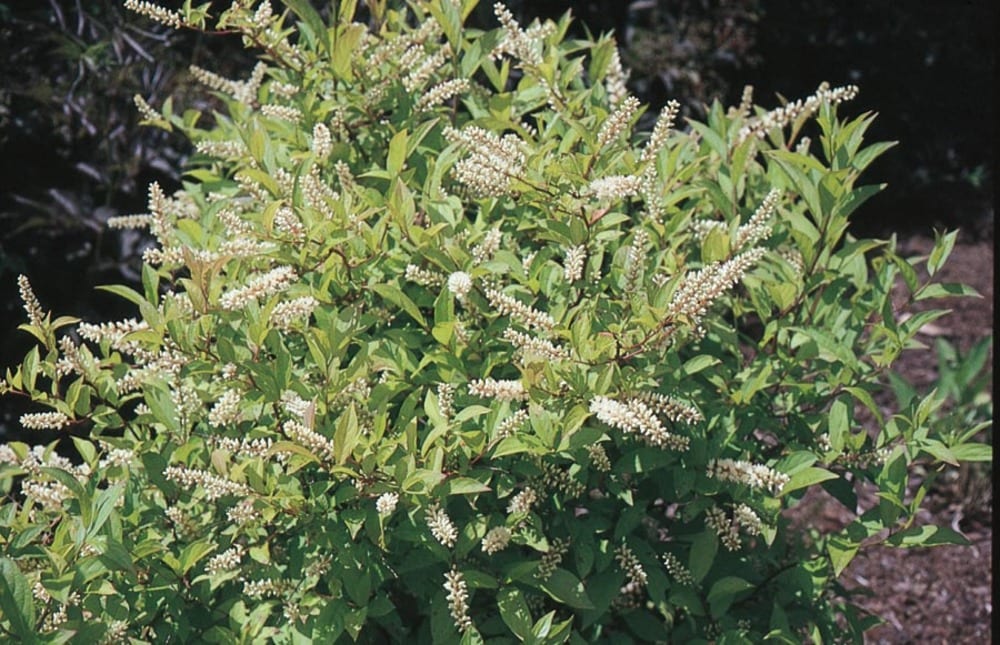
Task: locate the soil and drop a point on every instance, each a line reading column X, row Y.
column 940, row 594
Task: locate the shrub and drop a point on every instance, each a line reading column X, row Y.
column 432, row 345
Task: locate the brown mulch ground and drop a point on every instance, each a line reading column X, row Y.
column 941, row 594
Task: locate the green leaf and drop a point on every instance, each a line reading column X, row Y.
column 807, row 477
column 16, row 601
column 702, row 556
column 346, row 436
column 567, row 589
column 304, row 10
column 972, row 452
column 943, row 244
column 699, row 363
column 945, row 290
column 839, row 424
column 841, row 551
column 724, row 592
column 515, row 612
column 465, row 486
column 397, row 153
column 928, row 535
column 394, row 295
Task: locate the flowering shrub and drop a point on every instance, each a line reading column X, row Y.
column 432, row 345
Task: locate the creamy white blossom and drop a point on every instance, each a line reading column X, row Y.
column 635, row 417
column 458, row 599
column 386, row 503
column 441, row 526
column 496, row 539
column 460, row 283
column 501, row 390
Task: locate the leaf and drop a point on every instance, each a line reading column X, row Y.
column 515, row 612
column 841, row 551
column 724, row 592
column 972, row 452
column 943, row 244
column 807, row 477
column 16, row 600
column 465, row 486
column 304, row 10
column 928, row 535
column 699, row 363
column 346, row 436
column 945, row 290
column 397, row 153
column 567, row 589
column 839, row 424
column 394, row 295
column 702, row 556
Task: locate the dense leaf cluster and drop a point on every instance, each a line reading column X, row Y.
column 433, row 345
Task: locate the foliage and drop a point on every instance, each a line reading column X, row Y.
column 434, row 346
column 963, row 410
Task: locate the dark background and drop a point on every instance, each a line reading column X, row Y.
column 72, row 154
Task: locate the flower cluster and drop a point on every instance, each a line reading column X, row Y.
column 528, row 316
column 386, row 503
column 257, row 448
column 658, row 139
column 45, row 420
column 552, row 558
column 446, row 400
column 36, row 315
column 727, row 530
column 225, row 561
column 423, row 276
column 419, row 74
column 699, row 289
column 155, row 12
column 441, row 526
column 525, row 45
column 501, row 390
column 496, row 539
column 213, row 485
column 635, row 417
column 757, row 228
column 618, row 121
column 260, row 286
column 555, row 478
column 460, row 284
column 441, row 93
column 322, row 142
column 286, row 315
column 522, row 502
column 529, row 345
column 744, row 472
column 599, row 457
column 301, row 434
column 488, row 246
column 674, row 410
column 615, row 78
column 780, row 117
column 243, row 91
column 225, row 411
column 630, row 564
column 745, row 517
column 509, row 426
column 679, row 572
column 614, row 187
column 493, row 162
column 458, row 599
column 576, row 257
column 635, row 260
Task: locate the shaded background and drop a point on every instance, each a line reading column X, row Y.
column 72, row 154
